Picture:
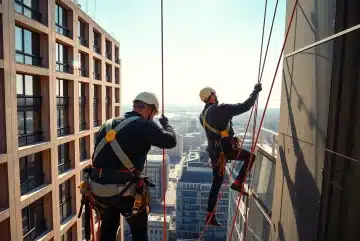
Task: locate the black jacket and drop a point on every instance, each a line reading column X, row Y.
column 135, row 140
column 220, row 115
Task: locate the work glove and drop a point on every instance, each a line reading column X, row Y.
column 164, row 121
column 258, row 87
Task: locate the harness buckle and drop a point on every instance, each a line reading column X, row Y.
column 110, row 135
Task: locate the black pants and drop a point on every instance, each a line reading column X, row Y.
column 111, row 218
column 218, row 180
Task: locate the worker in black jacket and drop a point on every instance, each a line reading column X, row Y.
column 216, row 120
column 135, row 140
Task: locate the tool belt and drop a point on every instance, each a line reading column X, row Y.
column 222, row 159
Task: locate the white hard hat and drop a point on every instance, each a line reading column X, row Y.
column 205, row 93
column 148, row 98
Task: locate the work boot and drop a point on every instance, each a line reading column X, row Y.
column 213, row 221
column 236, row 186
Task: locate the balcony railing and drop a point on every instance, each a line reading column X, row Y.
column 63, row 166
column 82, row 125
column 96, row 123
column 62, row 30
column 116, row 100
column 29, row 102
column 82, row 41
column 117, row 60
column 30, row 138
column 267, row 139
column 24, row 9
column 83, row 156
column 108, row 78
column 260, row 186
column 108, row 55
column 35, row 231
column 62, row 67
column 32, row 183
column 96, row 76
column 63, row 130
column 62, row 101
column 82, row 72
column 26, row 58
column 96, row 49
column 107, row 100
column 82, row 101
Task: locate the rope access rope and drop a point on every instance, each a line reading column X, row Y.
column 267, row 102
column 163, row 111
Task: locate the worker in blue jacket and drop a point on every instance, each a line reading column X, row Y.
column 222, row 146
column 119, row 158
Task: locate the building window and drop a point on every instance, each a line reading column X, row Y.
column 65, row 200
column 117, row 58
column 107, row 103
column 31, row 172
column 33, row 222
column 29, row 109
column 82, row 33
column 82, row 63
column 82, row 107
column 95, row 137
column 29, row 8
column 62, row 103
column 96, row 111
column 83, row 152
column 62, row 58
column 63, row 158
column 97, row 69
column 108, row 73
column 97, row 43
column 61, row 21
column 27, row 46
column 67, row 236
column 108, row 53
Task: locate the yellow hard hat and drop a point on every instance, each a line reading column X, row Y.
column 148, row 98
column 205, row 93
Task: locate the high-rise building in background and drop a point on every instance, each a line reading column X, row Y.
column 59, row 81
column 192, row 193
column 191, row 141
column 154, row 170
column 156, row 227
column 176, row 152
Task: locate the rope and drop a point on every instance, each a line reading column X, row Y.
column 163, row 111
column 228, row 179
column 266, row 105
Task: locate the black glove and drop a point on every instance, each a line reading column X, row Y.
column 164, row 121
column 258, row 87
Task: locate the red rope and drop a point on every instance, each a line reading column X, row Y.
column 266, row 105
column 228, row 179
column 163, row 111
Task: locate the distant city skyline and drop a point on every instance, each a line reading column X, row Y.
column 206, row 42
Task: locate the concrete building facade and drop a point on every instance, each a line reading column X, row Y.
column 59, row 81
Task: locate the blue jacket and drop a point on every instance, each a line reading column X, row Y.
column 220, row 115
column 136, row 140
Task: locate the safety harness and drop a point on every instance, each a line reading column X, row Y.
column 224, row 133
column 138, row 187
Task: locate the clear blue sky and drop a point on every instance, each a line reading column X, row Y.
column 206, row 42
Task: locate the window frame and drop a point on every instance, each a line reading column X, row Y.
column 39, row 174
column 34, row 9
column 65, row 200
column 64, row 161
column 62, row 104
column 61, row 28
column 35, row 49
column 34, row 226
column 61, row 65
column 25, row 109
